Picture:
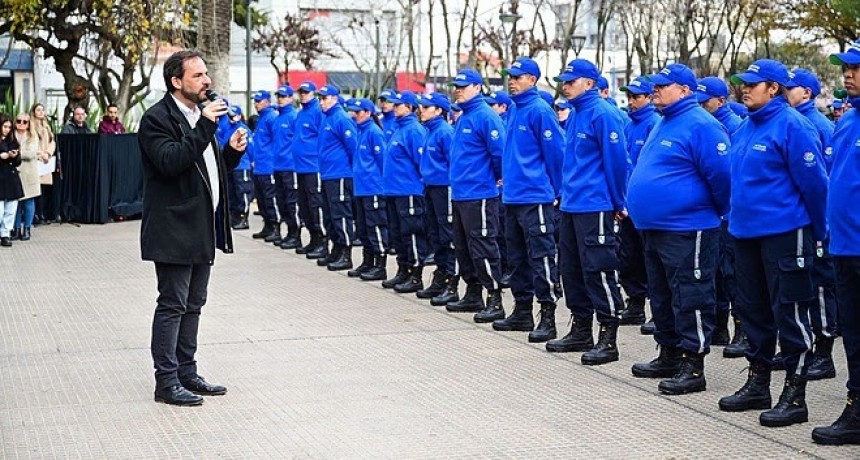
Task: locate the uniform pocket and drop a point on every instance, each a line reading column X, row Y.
column 483, row 247
column 795, row 279
column 541, row 243
column 600, row 255
column 696, row 295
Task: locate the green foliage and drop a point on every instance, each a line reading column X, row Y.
column 258, row 18
column 11, row 106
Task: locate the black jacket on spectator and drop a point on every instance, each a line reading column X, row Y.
column 72, row 128
column 10, row 183
column 179, row 225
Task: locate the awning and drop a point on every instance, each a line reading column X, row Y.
column 19, row 60
column 408, row 81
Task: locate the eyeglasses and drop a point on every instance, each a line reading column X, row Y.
column 22, row 122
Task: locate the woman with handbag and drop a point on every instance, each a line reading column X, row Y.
column 10, row 183
column 29, row 173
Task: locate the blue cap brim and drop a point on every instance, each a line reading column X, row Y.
column 845, row 59
column 460, row 84
column 566, row 77
column 634, row 90
column 660, row 80
column 514, row 72
column 701, row 98
column 746, row 78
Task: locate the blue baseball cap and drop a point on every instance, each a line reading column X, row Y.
column 639, row 85
column 439, row 100
column 547, row 97
column 329, row 90
column 739, row 109
column 675, row 73
column 455, row 107
column 579, row 68
column 405, row 97
column 387, row 94
column 307, row 87
column 562, row 104
column 851, row 56
column 499, row 97
column 466, row 77
column 285, row 91
column 763, row 70
column 261, row 95
column 236, row 110
column 838, row 104
column 602, row 83
column 710, row 87
column 356, row 105
column 805, row 79
column 523, row 66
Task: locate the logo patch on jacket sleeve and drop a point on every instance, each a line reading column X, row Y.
column 347, row 133
column 494, row 135
column 613, row 137
column 722, row 148
column 809, row 159
column 547, row 134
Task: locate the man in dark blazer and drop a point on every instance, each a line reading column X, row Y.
column 184, row 218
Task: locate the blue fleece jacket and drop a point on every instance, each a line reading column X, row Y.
column 476, row 152
column 681, row 181
column 402, row 162
column 389, row 125
column 642, row 121
column 284, row 131
column 304, row 148
column 226, row 128
column 778, row 179
column 595, row 159
column 262, row 150
column 367, row 164
column 337, row 144
column 534, row 152
column 728, row 118
column 437, row 150
column 844, row 193
column 824, row 127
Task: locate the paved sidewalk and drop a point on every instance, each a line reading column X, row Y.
column 322, row 366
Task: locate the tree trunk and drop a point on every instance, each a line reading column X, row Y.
column 213, row 40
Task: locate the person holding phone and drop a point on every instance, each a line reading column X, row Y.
column 10, row 184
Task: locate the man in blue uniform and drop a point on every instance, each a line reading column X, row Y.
column 803, row 89
column 501, row 103
column 263, row 162
column 388, row 120
column 241, row 187
column 304, row 148
column 838, row 108
column 562, row 112
column 593, row 196
column 531, row 166
column 712, row 94
column 286, row 184
column 432, row 111
column 634, row 276
column 476, row 169
column 844, row 223
column 338, row 141
column 679, row 189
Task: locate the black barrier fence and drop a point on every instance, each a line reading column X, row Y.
column 102, row 177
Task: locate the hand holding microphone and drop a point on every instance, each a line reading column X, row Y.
column 218, row 106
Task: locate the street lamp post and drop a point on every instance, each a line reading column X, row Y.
column 247, row 58
column 509, row 27
column 377, row 16
column 577, row 42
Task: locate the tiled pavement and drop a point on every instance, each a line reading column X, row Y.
column 322, row 366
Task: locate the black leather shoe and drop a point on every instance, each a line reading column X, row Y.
column 202, row 387
column 177, row 396
column 5, row 242
column 647, row 328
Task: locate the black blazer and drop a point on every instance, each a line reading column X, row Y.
column 179, row 223
column 10, row 183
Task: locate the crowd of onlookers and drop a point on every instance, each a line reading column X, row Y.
column 29, row 169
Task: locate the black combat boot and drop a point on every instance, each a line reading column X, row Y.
column 399, row 277
column 738, row 347
column 268, row 230
column 635, row 312
column 471, row 302
column 377, row 272
column 449, row 294
column 690, row 377
column 846, row 429
column 312, row 244
column 545, row 329
column 241, row 222
column 755, row 394
column 606, row 349
column 519, row 320
column 665, row 365
column 580, row 337
column 413, row 283
column 437, row 286
column 320, row 250
column 366, row 263
column 791, row 407
column 822, row 360
column 343, row 260
column 332, row 255
column 493, row 310
column 778, row 362
column 721, row 336
column 25, row 235
column 293, row 240
column 275, row 237
column 648, row 327
column 15, row 234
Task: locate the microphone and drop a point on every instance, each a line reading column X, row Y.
column 213, row 96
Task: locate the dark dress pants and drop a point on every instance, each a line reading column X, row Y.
column 848, row 307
